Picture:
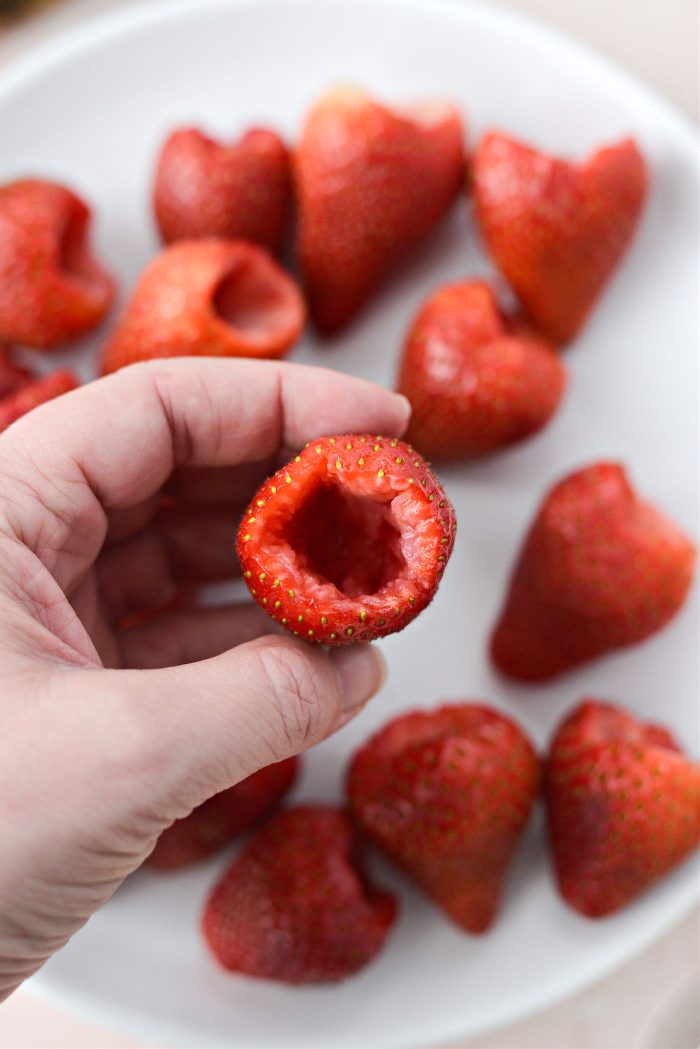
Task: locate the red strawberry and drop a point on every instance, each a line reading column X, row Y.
column 210, row 298
column 52, row 289
column 34, row 393
column 371, row 184
column 446, row 794
column 599, row 569
column 557, row 230
column 12, row 375
column 222, row 818
column 623, row 806
column 348, row 542
column 474, row 380
column 206, row 189
column 297, row 906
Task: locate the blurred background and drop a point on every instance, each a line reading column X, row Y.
column 649, row 1001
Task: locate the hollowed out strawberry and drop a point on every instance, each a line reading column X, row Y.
column 52, row 289
column 349, row 541
column 32, row 394
column 208, row 298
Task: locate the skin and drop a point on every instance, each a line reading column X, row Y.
column 108, row 736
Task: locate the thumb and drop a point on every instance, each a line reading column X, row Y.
column 197, row 729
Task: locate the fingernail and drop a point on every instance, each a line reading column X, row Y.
column 361, row 672
column 406, row 409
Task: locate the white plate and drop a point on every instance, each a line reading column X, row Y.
column 92, row 109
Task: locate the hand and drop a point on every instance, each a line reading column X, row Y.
column 108, row 735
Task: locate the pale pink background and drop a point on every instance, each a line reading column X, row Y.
column 659, row 41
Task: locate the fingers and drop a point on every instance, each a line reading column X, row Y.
column 179, row 547
column 188, row 635
column 197, row 729
column 112, row 444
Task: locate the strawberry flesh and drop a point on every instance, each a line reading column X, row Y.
column 349, row 541
column 212, row 298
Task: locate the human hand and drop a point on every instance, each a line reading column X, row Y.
column 107, row 736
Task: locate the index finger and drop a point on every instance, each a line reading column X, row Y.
column 113, row 443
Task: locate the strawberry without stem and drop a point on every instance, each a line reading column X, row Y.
column 446, row 794
column 371, row 184
column 52, row 289
column 599, row 569
column 32, row 394
column 556, row 230
column 623, row 807
column 210, row 298
column 222, row 818
column 206, row 189
column 475, row 378
column 297, row 905
column 349, row 541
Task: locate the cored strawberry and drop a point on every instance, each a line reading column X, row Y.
column 34, row 393
column 52, row 289
column 623, row 807
column 222, row 818
column 371, row 184
column 206, row 189
column 557, row 230
column 446, row 794
column 297, row 906
column 210, row 298
column 348, row 542
column 12, row 375
column 599, row 569
column 475, row 380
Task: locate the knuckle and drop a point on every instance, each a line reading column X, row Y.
column 301, row 694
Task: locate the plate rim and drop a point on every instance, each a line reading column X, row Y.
column 42, row 58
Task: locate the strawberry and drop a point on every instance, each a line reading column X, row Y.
column 371, row 184
column 599, row 569
column 474, row 380
column 446, row 794
column 206, row 189
column 52, row 289
column 623, row 807
column 219, row 820
column 210, row 298
column 34, row 393
column 557, row 230
column 12, row 375
column 297, row 906
column 348, row 542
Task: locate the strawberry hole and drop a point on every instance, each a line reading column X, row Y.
column 253, row 300
column 346, row 539
column 74, row 256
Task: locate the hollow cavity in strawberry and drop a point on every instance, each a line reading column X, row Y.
column 349, row 541
column 213, row 298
